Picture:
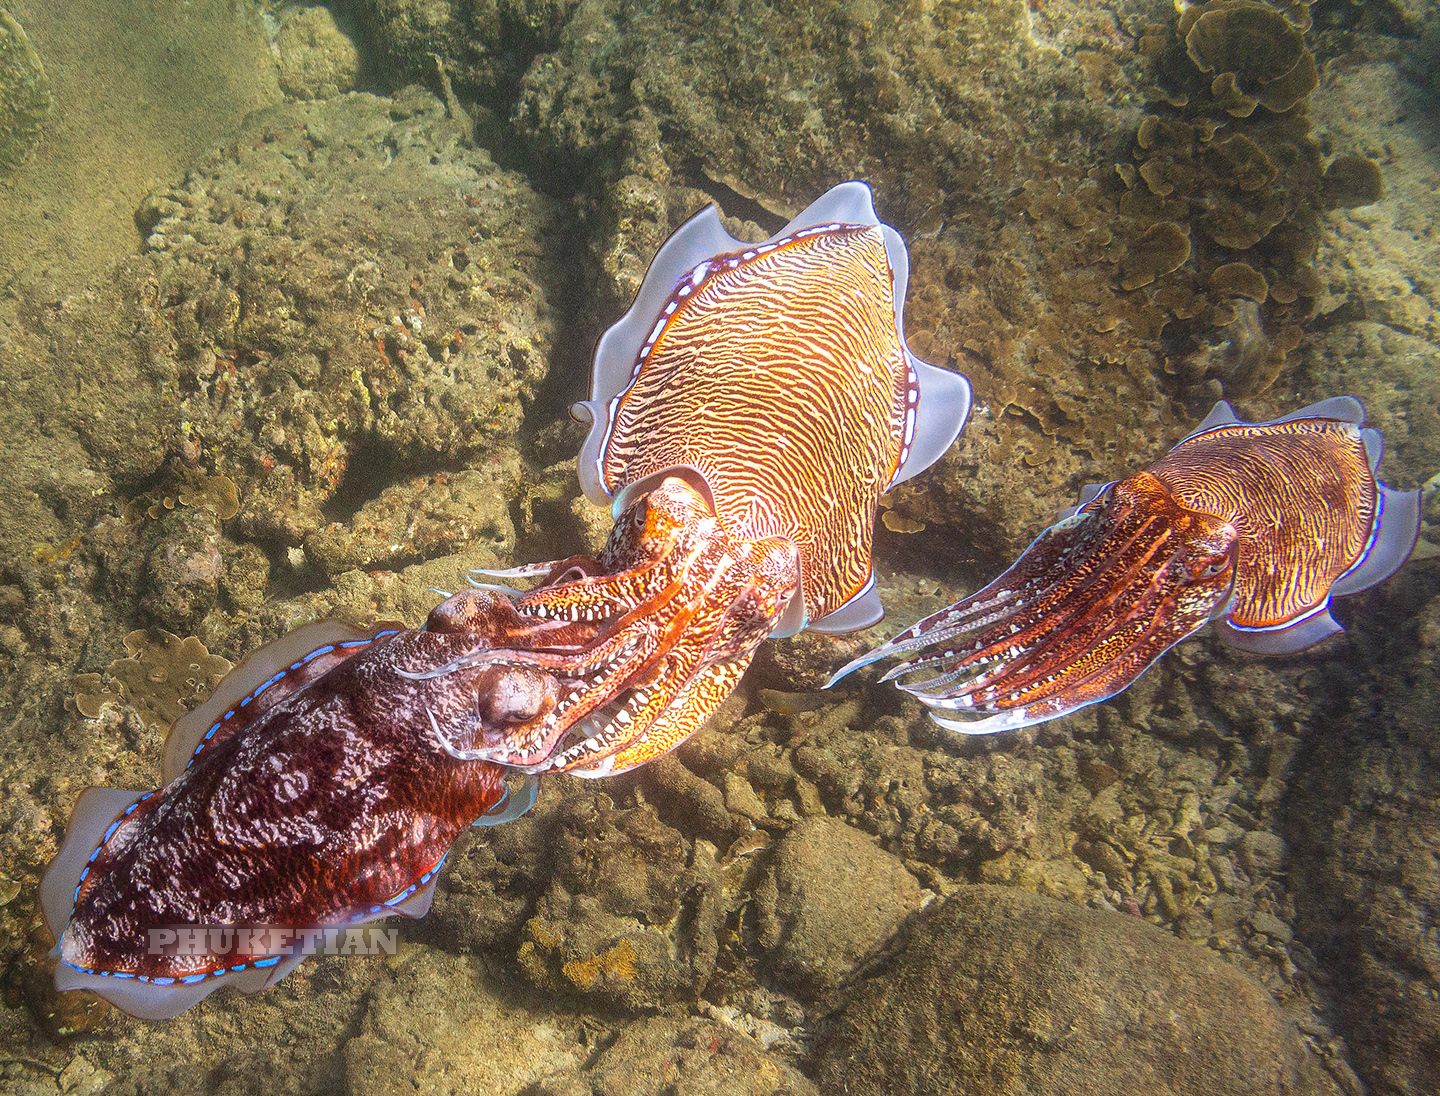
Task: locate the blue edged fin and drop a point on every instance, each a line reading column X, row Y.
column 95, row 812
column 1292, row 637
column 1397, row 530
column 516, row 802
column 257, row 681
column 1343, row 408
column 943, row 399
column 162, row 1000
column 861, row 611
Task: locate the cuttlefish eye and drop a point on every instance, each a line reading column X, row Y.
column 506, row 695
column 1213, row 554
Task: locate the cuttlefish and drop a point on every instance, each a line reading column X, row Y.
column 746, row 414
column 1254, row 527
column 309, row 796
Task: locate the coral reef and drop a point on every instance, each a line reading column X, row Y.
column 217, row 494
column 163, row 677
column 1230, row 159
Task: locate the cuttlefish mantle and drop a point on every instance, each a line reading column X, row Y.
column 775, row 378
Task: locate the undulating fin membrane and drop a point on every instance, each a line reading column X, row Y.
column 299, row 656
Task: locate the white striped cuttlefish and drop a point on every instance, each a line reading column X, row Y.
column 746, row 414
column 311, row 792
column 1255, row 527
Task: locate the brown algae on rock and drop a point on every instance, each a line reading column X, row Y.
column 215, row 493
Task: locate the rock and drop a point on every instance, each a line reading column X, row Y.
column 432, row 1027
column 24, row 93
column 424, row 518
column 679, row 792
column 628, row 915
column 998, row 991
column 182, row 569
column 377, row 339
column 1365, row 827
column 318, row 59
column 667, row 1056
column 1262, row 853
column 1269, row 925
column 832, row 897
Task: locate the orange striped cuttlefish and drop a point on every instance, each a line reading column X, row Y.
column 1254, row 527
column 746, row 414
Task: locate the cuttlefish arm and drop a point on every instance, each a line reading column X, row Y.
column 673, row 609
column 1256, row 527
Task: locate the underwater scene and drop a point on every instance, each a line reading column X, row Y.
column 731, row 547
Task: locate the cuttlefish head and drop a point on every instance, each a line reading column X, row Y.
column 623, row 660
column 1090, row 605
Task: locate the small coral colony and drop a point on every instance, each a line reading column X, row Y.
column 746, row 414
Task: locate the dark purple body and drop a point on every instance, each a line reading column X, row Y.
column 318, row 795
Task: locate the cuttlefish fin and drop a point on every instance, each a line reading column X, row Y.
column 861, row 611
column 275, row 669
column 941, row 399
column 516, row 802
column 1397, row 530
column 1343, row 408
column 616, row 354
column 1295, row 636
column 942, row 409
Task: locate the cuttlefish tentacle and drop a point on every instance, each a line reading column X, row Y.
column 1254, row 526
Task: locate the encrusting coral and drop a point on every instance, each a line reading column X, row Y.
column 1226, row 156
column 161, row 679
